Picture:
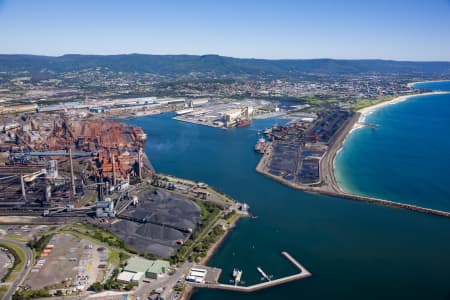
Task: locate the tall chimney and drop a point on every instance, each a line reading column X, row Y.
column 71, row 173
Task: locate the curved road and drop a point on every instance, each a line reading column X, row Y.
column 24, row 272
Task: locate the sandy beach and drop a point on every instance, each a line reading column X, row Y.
column 329, row 184
column 411, row 84
column 370, row 109
column 363, row 113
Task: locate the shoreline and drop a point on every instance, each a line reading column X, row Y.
column 329, row 185
column 339, row 146
column 189, row 289
column 363, row 113
column 411, row 84
column 370, row 109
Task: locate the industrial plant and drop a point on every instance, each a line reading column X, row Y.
column 53, row 162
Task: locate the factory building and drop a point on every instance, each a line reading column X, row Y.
column 137, row 269
column 135, row 101
column 18, row 108
column 232, row 115
column 167, row 101
column 104, row 209
column 197, row 102
column 130, row 277
column 62, row 106
column 98, row 109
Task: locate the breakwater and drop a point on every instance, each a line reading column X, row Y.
column 303, row 273
column 328, row 192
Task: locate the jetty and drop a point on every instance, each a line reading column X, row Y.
column 263, row 274
column 303, row 273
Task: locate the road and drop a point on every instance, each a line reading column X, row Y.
column 143, row 291
column 24, row 272
column 168, row 283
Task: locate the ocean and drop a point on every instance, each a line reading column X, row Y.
column 405, row 158
column 354, row 250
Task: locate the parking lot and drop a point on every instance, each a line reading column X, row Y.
column 68, row 262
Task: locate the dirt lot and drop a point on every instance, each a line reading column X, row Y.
column 73, row 262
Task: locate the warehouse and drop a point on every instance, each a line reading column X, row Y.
column 129, row 277
column 138, row 268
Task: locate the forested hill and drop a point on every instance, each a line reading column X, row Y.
column 175, row 65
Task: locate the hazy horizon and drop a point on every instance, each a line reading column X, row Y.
column 235, row 57
column 402, row 30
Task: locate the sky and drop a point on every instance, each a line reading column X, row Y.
column 416, row 30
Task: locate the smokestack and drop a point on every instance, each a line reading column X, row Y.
column 114, row 170
column 140, row 159
column 23, row 187
column 71, row 173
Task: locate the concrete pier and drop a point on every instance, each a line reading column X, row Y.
column 303, row 273
column 263, row 273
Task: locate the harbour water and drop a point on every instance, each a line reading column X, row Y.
column 354, row 250
column 405, row 158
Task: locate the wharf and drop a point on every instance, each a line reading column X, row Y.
column 303, row 273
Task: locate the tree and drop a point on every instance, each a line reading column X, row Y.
column 97, row 286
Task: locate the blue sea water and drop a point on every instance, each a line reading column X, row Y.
column 355, row 250
column 433, row 85
column 406, row 158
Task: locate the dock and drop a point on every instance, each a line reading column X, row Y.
column 263, row 274
column 303, row 273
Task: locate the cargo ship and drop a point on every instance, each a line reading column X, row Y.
column 244, row 123
column 260, row 146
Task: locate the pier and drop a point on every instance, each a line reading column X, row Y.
column 263, row 274
column 303, row 273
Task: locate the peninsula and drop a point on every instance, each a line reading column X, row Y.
column 302, row 156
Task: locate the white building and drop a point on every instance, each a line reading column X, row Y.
column 196, row 275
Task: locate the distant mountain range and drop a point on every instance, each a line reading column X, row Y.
column 174, row 65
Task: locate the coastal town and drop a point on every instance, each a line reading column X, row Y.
column 84, row 214
column 216, row 150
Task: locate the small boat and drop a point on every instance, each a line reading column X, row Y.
column 237, row 274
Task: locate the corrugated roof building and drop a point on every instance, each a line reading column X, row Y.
column 151, row 268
